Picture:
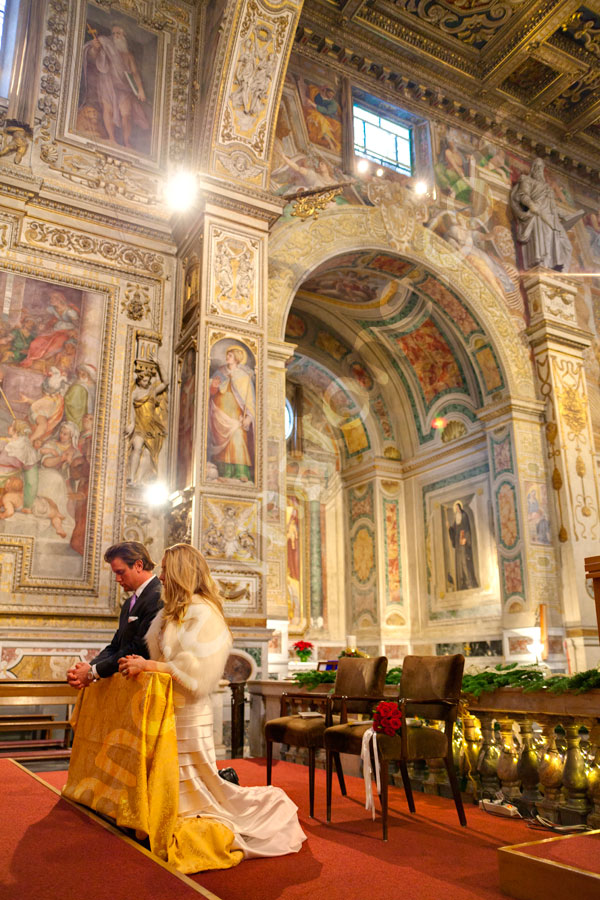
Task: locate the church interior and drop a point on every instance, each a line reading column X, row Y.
column 315, row 287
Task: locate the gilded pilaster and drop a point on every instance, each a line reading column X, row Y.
column 558, row 346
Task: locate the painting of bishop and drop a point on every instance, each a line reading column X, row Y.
column 50, row 345
column 231, row 412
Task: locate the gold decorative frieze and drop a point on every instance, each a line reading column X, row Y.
column 67, row 242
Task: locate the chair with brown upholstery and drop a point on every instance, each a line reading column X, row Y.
column 355, row 678
column 429, row 689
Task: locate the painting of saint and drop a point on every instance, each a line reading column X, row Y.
column 461, row 574
column 294, row 558
column 185, row 429
column 231, row 412
column 538, row 519
column 322, row 113
column 50, row 350
column 117, row 81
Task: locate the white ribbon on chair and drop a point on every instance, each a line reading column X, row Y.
column 369, row 742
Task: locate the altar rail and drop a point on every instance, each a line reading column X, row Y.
column 528, row 745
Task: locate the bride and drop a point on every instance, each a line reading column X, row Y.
column 190, row 640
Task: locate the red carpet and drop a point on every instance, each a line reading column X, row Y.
column 49, row 850
column 581, row 851
column 428, row 855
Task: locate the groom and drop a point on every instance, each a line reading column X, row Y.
column 132, row 565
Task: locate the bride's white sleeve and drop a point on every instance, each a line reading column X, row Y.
column 196, row 651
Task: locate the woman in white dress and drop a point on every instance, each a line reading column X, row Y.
column 190, row 639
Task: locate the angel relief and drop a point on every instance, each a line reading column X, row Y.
column 229, row 530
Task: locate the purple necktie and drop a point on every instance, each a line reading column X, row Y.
column 132, row 600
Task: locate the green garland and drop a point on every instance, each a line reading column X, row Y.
column 529, row 678
column 309, row 680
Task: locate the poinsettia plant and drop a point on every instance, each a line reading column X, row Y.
column 387, row 718
column 303, row 650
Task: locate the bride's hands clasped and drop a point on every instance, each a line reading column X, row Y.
column 131, row 666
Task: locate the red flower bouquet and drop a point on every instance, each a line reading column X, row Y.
column 303, row 649
column 387, row 718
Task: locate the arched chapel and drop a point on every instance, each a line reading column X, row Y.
column 316, row 287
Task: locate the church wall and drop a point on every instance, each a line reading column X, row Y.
column 82, row 214
column 468, row 207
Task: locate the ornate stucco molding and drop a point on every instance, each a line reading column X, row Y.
column 296, row 249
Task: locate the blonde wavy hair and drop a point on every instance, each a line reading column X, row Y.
column 186, row 573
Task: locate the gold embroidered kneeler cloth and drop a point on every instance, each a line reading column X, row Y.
column 124, row 766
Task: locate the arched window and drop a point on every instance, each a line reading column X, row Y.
column 289, row 419
column 9, row 14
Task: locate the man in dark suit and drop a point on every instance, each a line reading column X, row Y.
column 132, row 565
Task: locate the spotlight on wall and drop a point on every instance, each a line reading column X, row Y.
column 535, row 647
column 363, row 166
column 156, row 494
column 379, row 172
column 180, row 191
column 420, row 188
column 439, row 423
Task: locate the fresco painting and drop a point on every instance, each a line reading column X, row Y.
column 502, row 455
column 489, row 369
column 538, row 516
column 329, row 344
column 307, row 153
column 50, row 352
column 185, row 428
column 361, row 502
column 460, row 545
column 392, row 551
column 455, row 309
column 361, row 375
column 322, row 113
column 512, row 576
column 295, row 326
column 432, row 360
column 355, row 436
column 117, row 89
column 507, row 515
column 231, row 412
column 352, row 286
column 294, row 541
column 363, row 554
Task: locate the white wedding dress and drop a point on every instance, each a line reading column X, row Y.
column 263, row 819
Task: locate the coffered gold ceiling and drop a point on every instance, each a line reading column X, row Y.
column 529, row 70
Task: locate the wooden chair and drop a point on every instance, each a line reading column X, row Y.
column 430, row 689
column 359, row 679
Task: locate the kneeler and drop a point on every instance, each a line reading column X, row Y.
column 124, row 766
